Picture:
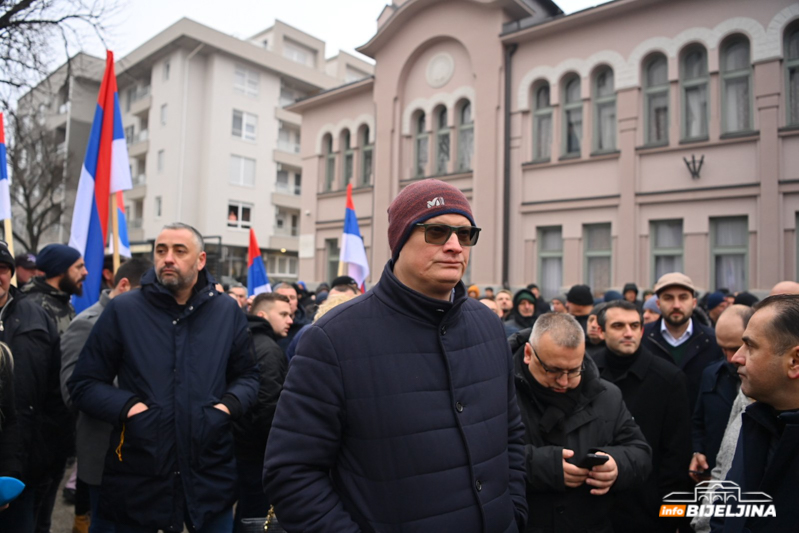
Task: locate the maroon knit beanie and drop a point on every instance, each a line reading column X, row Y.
column 418, row 202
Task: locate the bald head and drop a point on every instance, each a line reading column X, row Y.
column 785, row 287
column 730, row 328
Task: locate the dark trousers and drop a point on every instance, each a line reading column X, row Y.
column 20, row 515
column 98, row 524
column 45, row 493
column 252, row 499
column 221, row 523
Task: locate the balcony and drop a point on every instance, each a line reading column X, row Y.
column 139, row 180
column 290, row 147
column 286, row 199
column 290, row 159
column 141, row 101
column 139, row 144
column 135, row 223
column 279, row 242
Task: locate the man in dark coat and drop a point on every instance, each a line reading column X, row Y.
column 298, row 315
column 677, row 336
column 568, row 412
column 269, row 320
column 92, row 435
column 522, row 316
column 766, row 458
column 655, row 392
column 185, row 367
column 399, row 411
column 717, row 392
column 579, row 303
column 32, row 336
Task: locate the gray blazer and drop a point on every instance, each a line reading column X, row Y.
column 93, row 435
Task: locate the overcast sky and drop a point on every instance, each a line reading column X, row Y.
column 342, row 24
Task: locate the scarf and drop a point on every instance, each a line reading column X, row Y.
column 558, row 406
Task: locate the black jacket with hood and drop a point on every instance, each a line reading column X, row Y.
column 600, row 422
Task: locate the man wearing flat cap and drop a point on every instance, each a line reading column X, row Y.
column 677, row 336
column 399, row 410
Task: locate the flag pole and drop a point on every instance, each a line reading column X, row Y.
column 10, row 242
column 115, row 230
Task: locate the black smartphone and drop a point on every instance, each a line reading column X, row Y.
column 590, row 460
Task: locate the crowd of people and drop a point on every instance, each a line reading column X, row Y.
column 419, row 405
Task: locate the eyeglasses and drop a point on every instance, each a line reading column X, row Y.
column 557, row 372
column 440, row 234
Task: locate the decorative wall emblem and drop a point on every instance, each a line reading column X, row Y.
column 440, row 69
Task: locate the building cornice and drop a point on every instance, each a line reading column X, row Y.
column 331, row 95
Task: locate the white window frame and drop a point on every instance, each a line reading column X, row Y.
column 589, row 254
column 465, row 161
column 367, row 159
column 717, row 251
column 650, row 93
column 348, row 161
column 165, row 70
column 603, row 102
column 249, row 126
column 540, row 113
column 421, row 146
column 543, row 255
column 158, row 206
column 160, row 160
column 245, row 81
column 567, row 107
column 690, row 84
column 330, row 165
column 791, row 65
column 664, row 251
column 442, row 131
column 732, row 76
column 164, row 111
column 238, row 171
column 239, row 223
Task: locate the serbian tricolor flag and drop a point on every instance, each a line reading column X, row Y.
column 352, row 261
column 122, row 222
column 5, row 196
column 257, row 280
column 105, row 171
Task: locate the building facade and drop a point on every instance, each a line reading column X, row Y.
column 603, row 147
column 209, row 141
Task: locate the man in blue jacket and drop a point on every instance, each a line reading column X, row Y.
column 399, row 410
column 765, row 457
column 185, row 367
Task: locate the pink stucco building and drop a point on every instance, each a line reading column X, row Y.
column 578, row 139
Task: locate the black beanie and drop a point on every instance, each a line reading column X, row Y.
column 6, row 257
column 580, row 295
column 55, row 259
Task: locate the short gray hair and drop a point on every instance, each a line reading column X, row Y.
column 198, row 238
column 564, row 330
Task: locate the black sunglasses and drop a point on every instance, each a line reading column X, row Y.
column 440, row 234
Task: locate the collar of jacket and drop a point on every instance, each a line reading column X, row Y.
column 261, row 326
column 39, row 284
column 656, row 336
column 591, row 384
column 407, row 301
column 639, row 367
column 160, row 296
column 104, row 297
column 766, row 416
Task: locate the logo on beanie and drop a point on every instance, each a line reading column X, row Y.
column 435, row 202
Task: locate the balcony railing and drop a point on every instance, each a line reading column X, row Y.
column 285, row 188
column 286, row 231
column 138, row 180
column 141, row 92
column 286, row 146
column 135, row 223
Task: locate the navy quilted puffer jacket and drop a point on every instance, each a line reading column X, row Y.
column 399, row 413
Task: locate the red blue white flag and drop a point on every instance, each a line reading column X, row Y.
column 257, row 280
column 122, row 224
column 105, row 170
column 353, row 252
column 5, row 196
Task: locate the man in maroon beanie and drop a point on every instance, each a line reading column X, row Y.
column 399, row 411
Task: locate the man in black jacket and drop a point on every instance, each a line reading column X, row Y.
column 399, row 412
column 32, row 336
column 568, row 412
column 655, row 392
column 766, row 460
column 269, row 321
column 677, row 336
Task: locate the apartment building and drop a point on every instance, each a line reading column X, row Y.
column 209, row 141
column 603, row 147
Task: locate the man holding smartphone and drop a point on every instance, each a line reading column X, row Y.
column 573, row 420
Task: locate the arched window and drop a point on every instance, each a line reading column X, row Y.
column 694, row 82
column 465, row 137
column 792, row 73
column 442, row 141
column 736, row 85
column 421, row 144
column 572, row 117
column 604, row 111
column 656, row 100
column 330, row 163
column 348, row 158
column 366, row 157
column 542, row 124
